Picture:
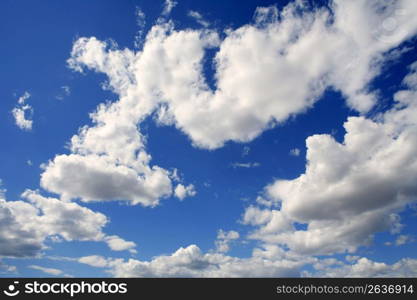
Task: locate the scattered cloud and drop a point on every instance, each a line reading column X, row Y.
column 23, row 113
column 182, row 191
column 224, row 238
column 65, row 92
column 116, row 243
column 364, row 267
column 245, row 165
column 198, row 18
column 168, row 6
column 94, row 261
column 404, row 239
column 245, row 151
column 295, row 152
column 7, row 269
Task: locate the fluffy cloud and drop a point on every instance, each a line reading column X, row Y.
column 256, row 68
column 182, row 191
column 27, row 224
column 118, row 244
column 364, row 267
column 349, row 190
column 94, row 177
column 22, row 113
column 191, row 262
column 266, row 261
column 94, row 261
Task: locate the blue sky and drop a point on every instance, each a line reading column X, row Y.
column 208, row 139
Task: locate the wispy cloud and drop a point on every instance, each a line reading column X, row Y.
column 245, row 165
column 198, row 18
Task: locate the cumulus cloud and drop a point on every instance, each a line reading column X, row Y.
column 350, row 190
column 256, row 68
column 182, row 191
column 266, row 261
column 191, row 262
column 27, row 224
column 116, row 243
column 23, row 113
column 364, row 267
column 99, row 178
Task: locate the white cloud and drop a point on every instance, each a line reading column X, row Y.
column 27, row 224
column 224, row 238
column 256, row 69
column 168, row 6
column 116, row 243
column 23, row 113
column 94, row 261
column 101, row 178
column 295, row 152
column 257, row 66
column 198, row 18
column 403, row 239
column 50, row 271
column 22, row 99
column 141, row 23
column 191, row 262
column 182, row 191
column 349, row 190
column 364, row 267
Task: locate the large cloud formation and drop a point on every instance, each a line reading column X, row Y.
column 257, row 68
column 265, row 72
column 349, row 190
